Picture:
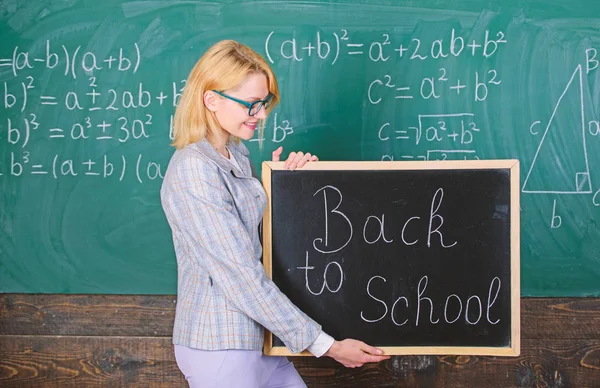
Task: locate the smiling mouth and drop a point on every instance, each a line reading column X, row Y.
column 250, row 125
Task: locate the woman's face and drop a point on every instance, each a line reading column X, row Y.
column 233, row 116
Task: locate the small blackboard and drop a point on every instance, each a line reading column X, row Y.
column 413, row 257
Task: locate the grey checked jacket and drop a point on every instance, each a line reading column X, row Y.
column 224, row 297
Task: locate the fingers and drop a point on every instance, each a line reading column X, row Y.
column 372, row 353
column 358, row 362
column 294, row 160
column 376, row 358
column 365, row 358
column 277, row 154
column 299, row 159
column 353, row 353
column 304, row 160
column 370, row 349
column 290, row 160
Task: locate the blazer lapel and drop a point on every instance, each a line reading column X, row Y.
column 240, row 153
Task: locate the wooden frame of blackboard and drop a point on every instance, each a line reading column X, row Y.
column 511, row 164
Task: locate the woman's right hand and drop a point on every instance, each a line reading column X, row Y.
column 352, row 353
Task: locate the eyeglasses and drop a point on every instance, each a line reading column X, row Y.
column 253, row 107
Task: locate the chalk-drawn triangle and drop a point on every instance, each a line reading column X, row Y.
column 560, row 164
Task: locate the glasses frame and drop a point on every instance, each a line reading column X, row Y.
column 264, row 103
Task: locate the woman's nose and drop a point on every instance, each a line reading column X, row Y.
column 261, row 114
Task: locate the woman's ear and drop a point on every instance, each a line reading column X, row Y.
column 210, row 100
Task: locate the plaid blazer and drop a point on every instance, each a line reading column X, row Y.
column 224, row 297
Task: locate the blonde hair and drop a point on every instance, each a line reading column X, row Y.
column 224, row 66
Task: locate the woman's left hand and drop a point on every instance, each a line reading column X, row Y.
column 295, row 159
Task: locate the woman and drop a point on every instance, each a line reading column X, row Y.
column 214, row 205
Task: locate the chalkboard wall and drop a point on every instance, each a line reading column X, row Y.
column 88, row 91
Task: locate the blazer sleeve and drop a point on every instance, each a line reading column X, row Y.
column 202, row 209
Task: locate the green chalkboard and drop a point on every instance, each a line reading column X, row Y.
column 88, row 89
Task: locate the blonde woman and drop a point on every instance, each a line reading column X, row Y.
column 214, row 204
